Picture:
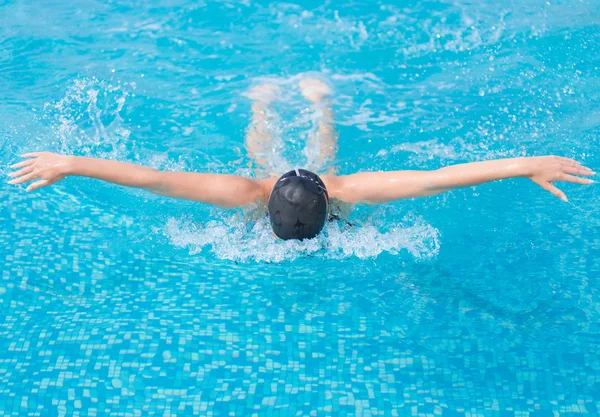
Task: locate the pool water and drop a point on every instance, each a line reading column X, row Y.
column 480, row 302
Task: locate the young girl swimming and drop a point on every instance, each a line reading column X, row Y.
column 299, row 201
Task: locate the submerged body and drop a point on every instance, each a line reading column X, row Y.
column 235, row 191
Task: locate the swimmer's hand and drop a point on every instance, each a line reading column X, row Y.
column 544, row 170
column 218, row 189
column 48, row 168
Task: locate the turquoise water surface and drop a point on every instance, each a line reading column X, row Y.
column 481, row 302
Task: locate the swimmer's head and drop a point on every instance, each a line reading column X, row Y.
column 298, row 205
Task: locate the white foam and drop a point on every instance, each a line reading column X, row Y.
column 233, row 239
column 87, row 119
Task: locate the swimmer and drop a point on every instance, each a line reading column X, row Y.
column 300, row 201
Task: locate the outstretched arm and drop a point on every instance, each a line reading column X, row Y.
column 221, row 190
column 376, row 187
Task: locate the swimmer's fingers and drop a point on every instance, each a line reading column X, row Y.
column 38, row 184
column 569, row 162
column 24, row 178
column 21, row 172
column 548, row 186
column 579, row 170
column 32, row 154
column 23, row 164
column 576, row 180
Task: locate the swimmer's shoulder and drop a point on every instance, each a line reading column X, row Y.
column 266, row 185
column 334, row 185
column 258, row 210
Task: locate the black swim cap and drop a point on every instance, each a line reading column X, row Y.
column 298, row 205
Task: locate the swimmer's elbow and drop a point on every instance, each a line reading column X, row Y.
column 159, row 183
column 437, row 182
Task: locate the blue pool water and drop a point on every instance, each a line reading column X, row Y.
column 481, row 302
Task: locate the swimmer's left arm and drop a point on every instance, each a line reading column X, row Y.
column 376, row 187
column 218, row 189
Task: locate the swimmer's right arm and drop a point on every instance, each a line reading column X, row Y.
column 218, row 189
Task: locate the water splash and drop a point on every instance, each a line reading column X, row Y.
column 87, row 120
column 235, row 240
column 321, row 25
column 456, row 150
